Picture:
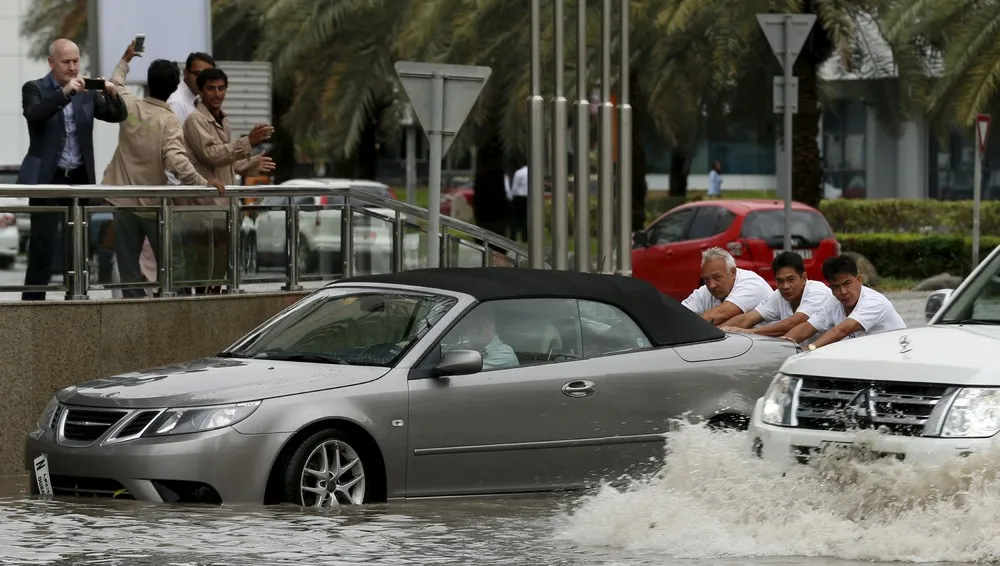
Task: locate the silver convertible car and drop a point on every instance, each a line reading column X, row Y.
column 434, row 382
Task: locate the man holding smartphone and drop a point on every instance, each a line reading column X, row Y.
column 60, row 111
column 150, row 142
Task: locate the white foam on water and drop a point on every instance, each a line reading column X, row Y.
column 714, row 500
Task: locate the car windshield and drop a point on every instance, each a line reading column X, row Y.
column 346, row 326
column 979, row 302
column 770, row 225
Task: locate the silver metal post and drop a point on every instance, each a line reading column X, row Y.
column 235, row 245
column 434, row 136
column 977, row 190
column 446, row 249
column 624, row 262
column 292, row 246
column 411, row 163
column 536, row 147
column 789, row 62
column 605, row 172
column 347, row 238
column 560, row 215
column 78, row 241
column 581, row 192
column 397, row 243
column 166, row 266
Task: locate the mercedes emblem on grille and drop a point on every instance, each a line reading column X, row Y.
column 904, row 344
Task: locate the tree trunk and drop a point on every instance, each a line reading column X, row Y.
column 807, row 170
column 366, row 159
column 639, row 187
column 490, row 205
column 680, row 168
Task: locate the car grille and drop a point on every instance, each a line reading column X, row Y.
column 87, row 425
column 138, row 424
column 899, row 408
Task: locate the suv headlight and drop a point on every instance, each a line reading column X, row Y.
column 200, row 419
column 975, row 413
column 780, row 402
column 48, row 414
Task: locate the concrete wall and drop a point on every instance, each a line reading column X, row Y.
column 46, row 346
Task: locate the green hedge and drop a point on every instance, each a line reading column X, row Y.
column 910, row 216
column 917, row 256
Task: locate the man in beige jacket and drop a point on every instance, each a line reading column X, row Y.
column 208, row 136
column 150, row 142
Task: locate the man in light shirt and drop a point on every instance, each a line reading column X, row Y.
column 857, row 310
column 183, row 100
column 150, row 142
column 728, row 291
column 796, row 300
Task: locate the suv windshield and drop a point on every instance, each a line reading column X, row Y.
column 347, row 326
column 979, row 301
column 770, row 225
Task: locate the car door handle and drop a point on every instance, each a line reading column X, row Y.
column 581, row 388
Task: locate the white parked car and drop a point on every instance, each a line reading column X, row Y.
column 9, row 240
column 319, row 231
column 922, row 394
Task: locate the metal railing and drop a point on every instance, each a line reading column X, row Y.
column 388, row 228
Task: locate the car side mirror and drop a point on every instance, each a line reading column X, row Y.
column 639, row 239
column 936, row 302
column 459, row 362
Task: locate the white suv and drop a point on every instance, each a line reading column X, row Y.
column 921, row 395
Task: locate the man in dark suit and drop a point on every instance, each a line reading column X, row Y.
column 60, row 113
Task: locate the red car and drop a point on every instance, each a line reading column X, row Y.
column 668, row 252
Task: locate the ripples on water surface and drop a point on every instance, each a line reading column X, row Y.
column 711, row 504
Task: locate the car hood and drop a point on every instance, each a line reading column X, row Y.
column 947, row 354
column 211, row 381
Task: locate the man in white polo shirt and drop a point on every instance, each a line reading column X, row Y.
column 856, row 311
column 796, row 300
column 728, row 291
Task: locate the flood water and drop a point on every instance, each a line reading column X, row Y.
column 712, row 503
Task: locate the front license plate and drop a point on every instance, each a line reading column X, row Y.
column 42, row 477
column 805, row 253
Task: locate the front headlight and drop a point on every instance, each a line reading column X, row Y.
column 975, row 413
column 200, row 419
column 48, row 414
column 780, row 402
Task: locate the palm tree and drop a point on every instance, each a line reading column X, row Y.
column 335, row 61
column 959, row 42
column 48, row 20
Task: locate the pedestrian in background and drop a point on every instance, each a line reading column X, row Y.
column 715, row 180
column 60, row 113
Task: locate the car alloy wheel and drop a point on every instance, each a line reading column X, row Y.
column 332, row 474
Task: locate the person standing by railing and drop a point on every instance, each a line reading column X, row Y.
column 208, row 136
column 150, row 142
column 60, row 112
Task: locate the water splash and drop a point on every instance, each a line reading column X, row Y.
column 713, row 500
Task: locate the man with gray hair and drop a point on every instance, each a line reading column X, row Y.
column 60, row 112
column 728, row 290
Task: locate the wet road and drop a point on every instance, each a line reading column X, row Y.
column 712, row 504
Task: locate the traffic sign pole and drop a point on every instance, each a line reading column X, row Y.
column 441, row 97
column 982, row 134
column 786, row 33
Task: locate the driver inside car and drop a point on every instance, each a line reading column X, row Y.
column 478, row 332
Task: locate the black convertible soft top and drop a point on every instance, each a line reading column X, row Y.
column 665, row 321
